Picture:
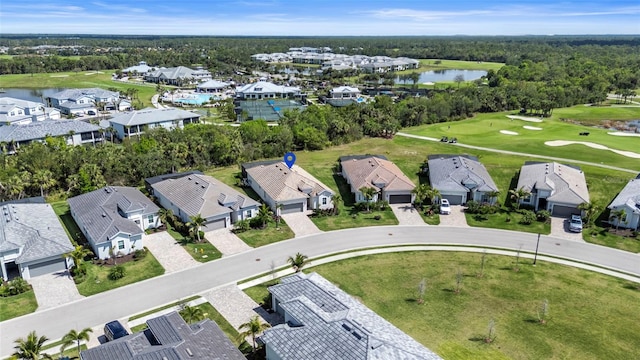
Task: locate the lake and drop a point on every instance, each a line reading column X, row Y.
column 435, row 76
column 36, row 95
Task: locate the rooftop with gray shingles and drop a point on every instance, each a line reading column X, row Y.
column 629, row 196
column 97, row 211
column 329, row 324
column 74, row 94
column 202, row 194
column 152, row 116
column 169, row 337
column 42, row 129
column 459, row 173
column 566, row 183
column 34, row 228
column 282, row 183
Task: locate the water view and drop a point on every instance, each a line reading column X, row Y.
column 36, row 95
column 443, row 75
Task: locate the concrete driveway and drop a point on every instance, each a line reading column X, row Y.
column 407, row 214
column 169, row 253
column 54, row 289
column 226, row 242
column 300, row 224
column 560, row 229
column 456, row 218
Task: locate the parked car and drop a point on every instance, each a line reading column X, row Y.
column 445, row 207
column 114, row 330
column 575, row 223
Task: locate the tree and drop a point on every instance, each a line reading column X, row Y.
column 30, row 348
column 620, row 215
column 543, row 311
column 517, row 195
column 493, row 196
column 432, row 194
column 491, row 332
column 278, row 214
column 590, row 210
column 165, row 215
column 420, row 192
column 459, row 277
column 44, row 179
column 368, row 193
column 264, row 215
column 422, row 288
column 337, row 201
column 298, row 261
column 74, row 336
column 458, row 79
column 77, row 255
column 195, row 224
column 252, row 328
column 482, row 262
column 191, row 314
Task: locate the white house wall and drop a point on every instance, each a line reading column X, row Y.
column 632, row 219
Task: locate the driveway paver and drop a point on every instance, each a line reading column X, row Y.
column 456, row 218
column 168, row 252
column 407, row 214
column 560, row 229
column 226, row 242
column 300, row 224
column 54, row 289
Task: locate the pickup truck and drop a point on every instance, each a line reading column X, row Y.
column 575, row 223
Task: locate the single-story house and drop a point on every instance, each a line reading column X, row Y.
column 345, row 92
column 139, row 70
column 169, row 337
column 32, row 240
column 375, row 171
column 75, row 132
column 628, row 200
column 148, row 182
column 20, row 112
column 460, row 178
column 555, row 187
column 216, row 202
column 83, row 101
column 266, row 90
column 136, row 122
column 322, row 322
column 286, row 190
column 178, row 76
column 212, row 86
column 114, row 218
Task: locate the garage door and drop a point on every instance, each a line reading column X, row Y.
column 564, row 211
column 216, row 224
column 453, row 199
column 399, row 199
column 47, row 267
column 292, row 208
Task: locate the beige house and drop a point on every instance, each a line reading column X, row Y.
column 375, row 171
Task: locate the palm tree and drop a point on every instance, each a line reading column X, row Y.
column 278, row 212
column 518, row 194
column 337, row 201
column 420, row 192
column 589, row 210
column 30, row 348
column 44, row 178
column 191, row 314
column 164, row 215
column 432, row 194
column 493, row 196
column 196, row 223
column 78, row 254
column 620, row 215
column 253, row 328
column 368, row 193
column 298, row 261
column 74, row 336
column 264, row 214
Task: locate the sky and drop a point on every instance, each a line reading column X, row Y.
column 319, row 17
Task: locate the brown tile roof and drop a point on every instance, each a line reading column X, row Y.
column 282, row 183
column 374, row 170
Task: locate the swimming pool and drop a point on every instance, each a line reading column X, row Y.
column 196, row 99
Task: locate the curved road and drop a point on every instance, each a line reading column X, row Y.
column 507, row 152
column 155, row 292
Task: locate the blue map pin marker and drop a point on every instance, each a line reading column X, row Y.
column 289, row 159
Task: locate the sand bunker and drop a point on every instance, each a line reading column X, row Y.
column 525, row 118
column 507, row 132
column 620, row 133
column 593, row 146
column 531, row 127
column 63, row 75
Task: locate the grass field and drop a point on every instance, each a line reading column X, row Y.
column 18, row 305
column 268, row 235
column 61, row 208
column 202, row 252
column 430, row 64
column 591, row 316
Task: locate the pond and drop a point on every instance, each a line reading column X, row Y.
column 36, row 95
column 435, row 76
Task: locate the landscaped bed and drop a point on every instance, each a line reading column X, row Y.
column 590, row 316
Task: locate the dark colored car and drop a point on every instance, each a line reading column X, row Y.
column 114, row 330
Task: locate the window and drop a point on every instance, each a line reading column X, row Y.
column 121, row 245
column 150, row 218
column 324, row 201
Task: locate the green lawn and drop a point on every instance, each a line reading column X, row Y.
column 499, row 221
column 591, row 316
column 203, row 251
column 97, row 281
column 350, row 219
column 430, row 64
column 18, row 305
column 61, row 208
column 601, row 236
column 71, row 351
column 271, row 234
column 141, row 315
column 430, row 219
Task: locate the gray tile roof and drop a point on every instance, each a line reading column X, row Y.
column 174, row 73
column 34, row 228
column 629, row 196
column 74, row 94
column 332, row 325
column 152, row 116
column 169, row 337
column 282, row 183
column 42, row 129
column 459, row 173
column 261, row 87
column 566, row 183
column 213, row 84
column 97, row 211
column 202, row 194
column 372, row 170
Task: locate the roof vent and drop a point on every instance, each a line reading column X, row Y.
column 189, row 352
column 197, row 183
column 189, row 178
column 203, row 186
column 104, row 215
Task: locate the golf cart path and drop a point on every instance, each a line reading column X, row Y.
column 521, row 154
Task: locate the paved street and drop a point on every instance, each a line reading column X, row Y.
column 135, row 298
column 407, row 214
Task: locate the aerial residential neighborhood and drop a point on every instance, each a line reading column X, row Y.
column 319, row 181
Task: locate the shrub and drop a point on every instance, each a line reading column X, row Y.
column 543, row 215
column 139, row 254
column 117, row 272
column 473, row 207
column 377, row 217
column 16, row 286
column 242, row 226
column 255, row 223
column 528, row 217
